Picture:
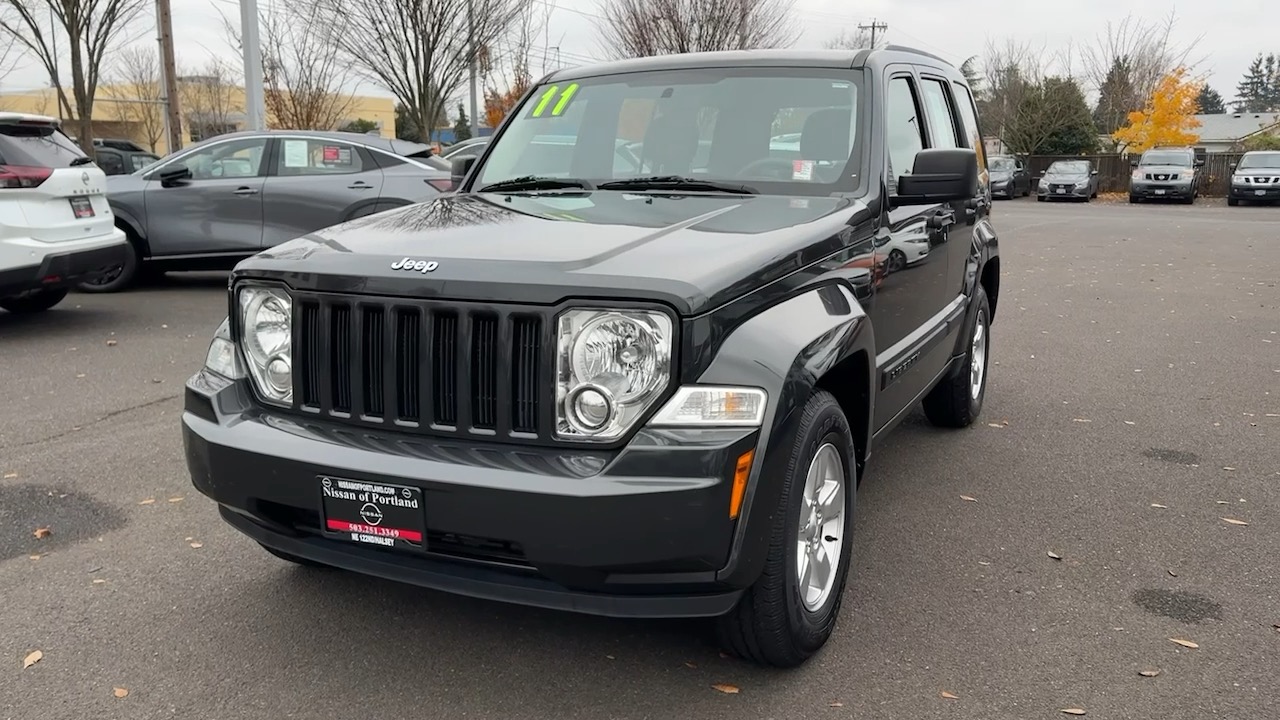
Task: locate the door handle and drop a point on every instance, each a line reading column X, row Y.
column 359, row 185
column 941, row 220
column 246, row 191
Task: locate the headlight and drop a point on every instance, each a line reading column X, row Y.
column 1082, row 184
column 610, row 367
column 223, row 358
column 266, row 335
column 706, row 405
column 1137, row 175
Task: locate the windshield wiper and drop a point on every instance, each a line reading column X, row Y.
column 536, row 182
column 81, row 161
column 676, row 182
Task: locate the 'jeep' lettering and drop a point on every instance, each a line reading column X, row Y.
column 422, row 266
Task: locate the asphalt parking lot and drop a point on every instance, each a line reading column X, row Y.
column 1134, row 408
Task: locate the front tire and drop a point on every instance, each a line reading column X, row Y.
column 35, row 302
column 791, row 610
column 956, row 401
column 118, row 278
column 1232, row 202
column 897, row 261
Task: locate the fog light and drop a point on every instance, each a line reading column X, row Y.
column 279, row 374
column 590, row 408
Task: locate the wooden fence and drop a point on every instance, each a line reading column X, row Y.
column 1114, row 171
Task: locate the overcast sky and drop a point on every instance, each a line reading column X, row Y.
column 953, row 29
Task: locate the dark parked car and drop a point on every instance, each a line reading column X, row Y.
column 630, row 391
column 1068, row 180
column 122, row 162
column 1256, row 178
column 219, row 201
column 1009, row 177
column 1166, row 174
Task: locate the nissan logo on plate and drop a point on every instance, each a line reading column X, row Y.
column 422, row 266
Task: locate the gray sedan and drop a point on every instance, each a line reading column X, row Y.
column 214, row 203
column 1068, row 180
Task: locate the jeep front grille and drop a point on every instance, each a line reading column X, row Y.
column 430, row 367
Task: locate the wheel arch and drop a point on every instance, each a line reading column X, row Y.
column 819, row 339
column 133, row 230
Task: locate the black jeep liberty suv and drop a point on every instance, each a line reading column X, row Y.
column 637, row 363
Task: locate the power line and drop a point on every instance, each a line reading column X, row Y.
column 873, row 27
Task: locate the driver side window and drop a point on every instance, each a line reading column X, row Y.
column 234, row 159
column 904, row 138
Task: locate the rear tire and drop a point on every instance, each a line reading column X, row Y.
column 777, row 622
column 35, row 302
column 119, row 278
column 956, row 401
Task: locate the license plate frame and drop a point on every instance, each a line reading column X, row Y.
column 1260, row 193
column 1159, row 192
column 1061, row 191
column 373, row 513
column 81, row 207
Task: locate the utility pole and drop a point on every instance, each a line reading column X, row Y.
column 254, row 102
column 873, row 27
column 169, row 77
column 471, row 38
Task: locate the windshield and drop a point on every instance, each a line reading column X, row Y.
column 730, row 125
column 1001, row 164
column 1166, row 158
column 1069, row 167
column 1260, row 160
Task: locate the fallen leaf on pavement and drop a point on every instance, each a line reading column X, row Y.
column 994, row 425
column 42, row 533
column 1172, row 573
column 175, row 499
column 148, row 501
column 1234, row 521
column 1184, row 643
column 1073, row 711
column 120, row 692
column 1054, row 555
column 197, row 546
column 1158, row 505
column 34, row 557
column 111, row 343
column 31, row 659
column 1080, row 420
column 966, row 498
column 835, row 704
column 98, row 581
column 726, row 689
column 1229, row 469
column 1130, row 422
column 949, row 696
column 10, row 476
column 1148, row 673
column 691, row 665
column 983, row 562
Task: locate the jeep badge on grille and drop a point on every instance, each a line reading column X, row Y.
column 422, row 266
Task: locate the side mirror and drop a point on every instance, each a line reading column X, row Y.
column 1093, row 172
column 1233, row 165
column 458, row 169
column 939, row 175
column 1133, row 163
column 1199, row 162
column 174, row 176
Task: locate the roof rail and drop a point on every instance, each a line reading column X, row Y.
column 918, row 51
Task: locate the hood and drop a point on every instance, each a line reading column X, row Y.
column 693, row 252
column 1255, row 171
column 1067, row 176
column 1000, row 174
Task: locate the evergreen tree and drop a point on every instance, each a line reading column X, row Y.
column 1117, row 97
column 972, row 76
column 1257, row 91
column 462, row 127
column 1210, row 102
column 1075, row 132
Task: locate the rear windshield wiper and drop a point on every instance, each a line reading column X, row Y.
column 81, row 161
column 535, row 182
column 676, row 182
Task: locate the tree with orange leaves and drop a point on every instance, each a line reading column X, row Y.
column 497, row 103
column 1168, row 118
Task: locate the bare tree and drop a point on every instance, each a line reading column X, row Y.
column 89, row 29
column 209, row 97
column 641, row 28
column 856, row 39
column 305, row 77
column 1009, row 72
column 136, row 90
column 1146, row 48
column 418, row 50
column 506, row 70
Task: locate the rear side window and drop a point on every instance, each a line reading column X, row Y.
column 36, row 146
column 942, row 124
column 969, row 119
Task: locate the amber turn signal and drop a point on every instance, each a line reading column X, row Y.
column 740, row 474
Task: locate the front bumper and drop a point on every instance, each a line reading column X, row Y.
column 1063, row 192
column 1003, row 188
column 1162, row 191
column 67, row 265
column 638, row 532
column 1255, row 192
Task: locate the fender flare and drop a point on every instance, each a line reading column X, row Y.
column 126, row 221
column 790, row 350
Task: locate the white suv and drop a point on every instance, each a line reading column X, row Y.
column 56, row 228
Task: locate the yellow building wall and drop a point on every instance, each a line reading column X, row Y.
column 114, row 116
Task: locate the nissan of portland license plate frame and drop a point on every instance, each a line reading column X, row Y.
column 373, row 513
